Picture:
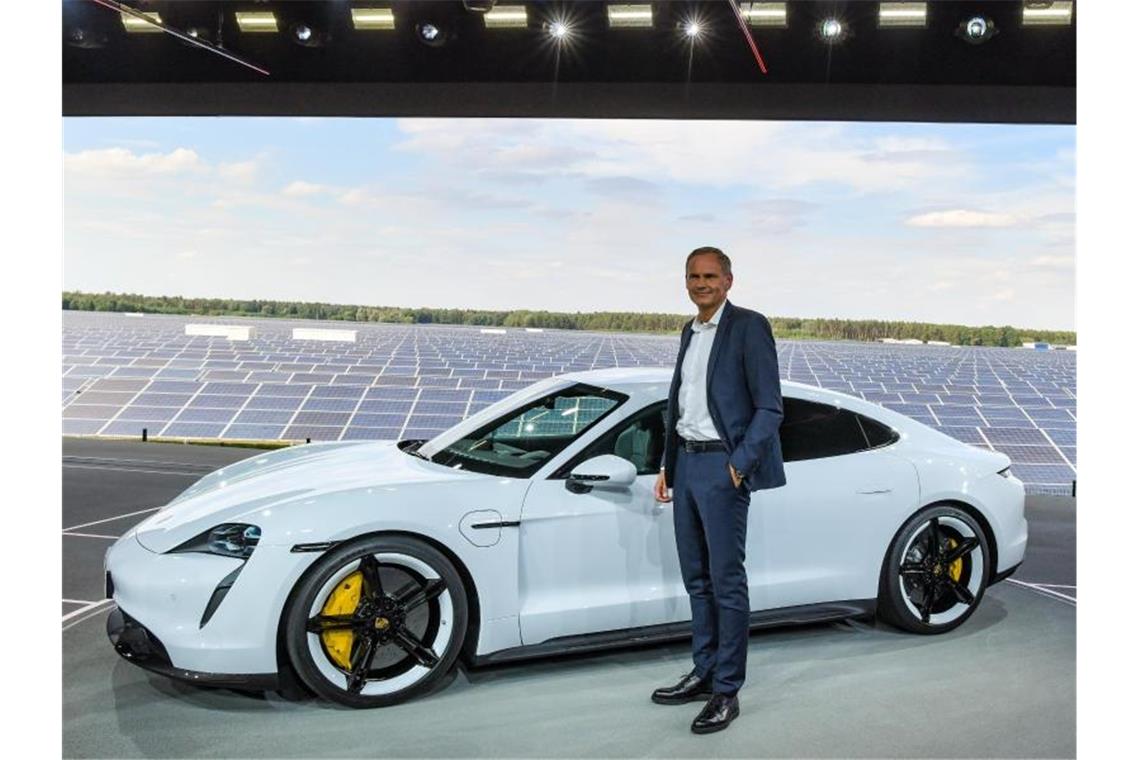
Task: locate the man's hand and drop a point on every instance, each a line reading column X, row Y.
column 660, row 490
column 737, row 478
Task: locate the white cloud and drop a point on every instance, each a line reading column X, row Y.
column 301, row 189
column 960, row 217
column 121, row 161
column 1054, row 262
column 240, row 171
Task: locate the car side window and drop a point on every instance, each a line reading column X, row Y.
column 811, row 430
column 639, row 439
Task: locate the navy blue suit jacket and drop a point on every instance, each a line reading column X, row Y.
column 744, row 397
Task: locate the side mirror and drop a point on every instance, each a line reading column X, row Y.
column 608, row 472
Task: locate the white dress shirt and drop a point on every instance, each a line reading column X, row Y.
column 694, row 422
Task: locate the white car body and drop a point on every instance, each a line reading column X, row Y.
column 564, row 564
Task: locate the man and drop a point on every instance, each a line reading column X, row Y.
column 722, row 443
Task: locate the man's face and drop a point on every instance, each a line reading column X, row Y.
column 708, row 285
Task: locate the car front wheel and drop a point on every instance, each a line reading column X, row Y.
column 376, row 621
column 935, row 571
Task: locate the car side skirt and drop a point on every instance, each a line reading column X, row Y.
column 654, row 634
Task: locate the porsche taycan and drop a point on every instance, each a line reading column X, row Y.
column 363, row 571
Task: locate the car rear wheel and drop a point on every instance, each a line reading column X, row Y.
column 935, row 571
column 376, row 621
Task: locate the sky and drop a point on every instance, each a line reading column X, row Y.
column 948, row 223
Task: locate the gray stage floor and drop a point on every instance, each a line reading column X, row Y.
column 1002, row 685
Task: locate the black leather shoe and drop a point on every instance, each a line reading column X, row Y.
column 688, row 689
column 717, row 714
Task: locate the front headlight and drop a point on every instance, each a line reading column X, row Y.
column 228, row 540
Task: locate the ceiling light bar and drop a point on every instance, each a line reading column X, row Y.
column 373, row 18
column 506, row 17
column 630, row 16
column 1047, row 14
column 136, row 24
column 765, row 14
column 902, row 14
column 256, row 21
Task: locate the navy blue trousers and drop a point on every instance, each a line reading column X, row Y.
column 710, row 520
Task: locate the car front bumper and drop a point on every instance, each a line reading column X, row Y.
column 139, row 646
column 173, row 623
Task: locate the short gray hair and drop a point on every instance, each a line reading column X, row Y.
column 721, row 256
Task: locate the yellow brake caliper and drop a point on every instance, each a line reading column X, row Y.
column 342, row 601
column 955, row 569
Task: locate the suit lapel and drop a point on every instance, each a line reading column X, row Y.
column 718, row 341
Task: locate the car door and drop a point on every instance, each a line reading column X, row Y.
column 822, row 537
column 603, row 560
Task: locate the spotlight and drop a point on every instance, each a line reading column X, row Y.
column 84, row 37
column 559, row 30
column 830, row 30
column 692, row 30
column 432, row 34
column 307, row 35
column 976, row 30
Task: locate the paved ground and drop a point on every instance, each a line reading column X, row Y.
column 1002, row 685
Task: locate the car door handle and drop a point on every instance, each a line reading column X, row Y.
column 873, row 489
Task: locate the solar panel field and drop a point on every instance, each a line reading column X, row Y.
column 123, row 373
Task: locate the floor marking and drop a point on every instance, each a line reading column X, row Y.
column 1052, row 585
column 97, row 460
column 95, row 612
column 79, row 601
column 110, row 519
column 87, row 608
column 1045, row 591
column 90, row 535
column 195, row 474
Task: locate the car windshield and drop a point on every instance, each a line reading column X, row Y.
column 521, row 441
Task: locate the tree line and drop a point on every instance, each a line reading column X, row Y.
column 783, row 327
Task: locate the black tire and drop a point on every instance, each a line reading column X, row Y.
column 397, row 641
column 929, row 594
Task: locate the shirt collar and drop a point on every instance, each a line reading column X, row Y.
column 712, row 323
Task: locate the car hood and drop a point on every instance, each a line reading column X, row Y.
column 248, row 489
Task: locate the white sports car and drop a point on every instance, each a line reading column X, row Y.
column 530, row 528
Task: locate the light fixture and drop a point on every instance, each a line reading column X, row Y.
column 135, row 24
column 506, row 17
column 307, row 35
column 976, row 30
column 559, row 30
column 84, row 37
column 692, row 29
column 830, row 30
column 765, row 14
column 630, row 16
column 1047, row 14
column 256, row 21
column 432, row 33
column 373, row 18
column 902, row 14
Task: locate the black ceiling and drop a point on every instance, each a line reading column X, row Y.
column 1023, row 74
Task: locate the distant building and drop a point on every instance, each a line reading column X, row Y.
column 1036, row 345
column 938, row 343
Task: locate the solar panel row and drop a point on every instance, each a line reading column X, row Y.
column 122, row 374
